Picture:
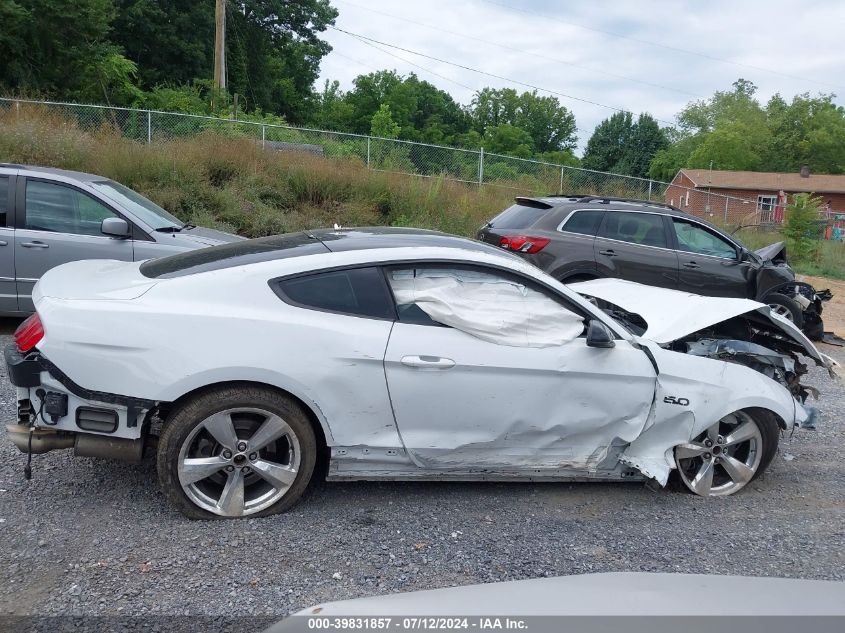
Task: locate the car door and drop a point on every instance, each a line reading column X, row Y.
column 635, row 246
column 8, row 292
column 58, row 223
column 469, row 402
column 709, row 264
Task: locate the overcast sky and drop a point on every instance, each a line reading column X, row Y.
column 781, row 45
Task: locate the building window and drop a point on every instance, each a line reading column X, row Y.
column 766, row 203
column 686, row 201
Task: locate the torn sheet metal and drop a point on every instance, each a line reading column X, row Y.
column 692, row 393
column 486, row 306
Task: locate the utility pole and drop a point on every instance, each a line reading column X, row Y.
column 220, row 45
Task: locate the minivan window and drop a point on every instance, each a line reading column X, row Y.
column 4, row 199
column 517, row 217
column 356, row 291
column 583, row 222
column 61, row 209
column 145, row 210
column 637, row 228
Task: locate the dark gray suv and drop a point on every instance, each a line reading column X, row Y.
column 576, row 238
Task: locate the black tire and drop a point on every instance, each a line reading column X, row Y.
column 184, row 419
column 791, row 305
column 770, row 430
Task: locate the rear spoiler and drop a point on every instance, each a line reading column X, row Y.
column 533, row 202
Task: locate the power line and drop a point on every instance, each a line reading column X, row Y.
column 524, row 52
column 488, row 74
column 423, row 68
column 659, row 45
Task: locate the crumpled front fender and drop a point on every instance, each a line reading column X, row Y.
column 692, row 394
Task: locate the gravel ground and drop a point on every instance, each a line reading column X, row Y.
column 88, row 537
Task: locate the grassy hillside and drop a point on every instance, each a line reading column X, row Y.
column 231, row 183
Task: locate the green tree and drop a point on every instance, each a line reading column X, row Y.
column 550, row 125
column 508, row 139
column 621, row 145
column 808, row 131
column 61, row 48
column 609, row 142
column 729, row 129
column 801, row 227
column 383, row 125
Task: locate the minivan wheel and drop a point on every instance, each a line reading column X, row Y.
column 728, row 455
column 236, row 451
column 786, row 307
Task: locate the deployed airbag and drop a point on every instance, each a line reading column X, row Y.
column 488, row 307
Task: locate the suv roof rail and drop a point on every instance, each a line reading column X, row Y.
column 609, row 199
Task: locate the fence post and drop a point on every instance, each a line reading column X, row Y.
column 149, row 127
column 560, row 188
column 650, row 182
column 726, row 209
column 263, row 135
column 481, row 167
column 368, row 152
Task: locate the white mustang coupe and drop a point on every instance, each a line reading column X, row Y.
column 396, row 354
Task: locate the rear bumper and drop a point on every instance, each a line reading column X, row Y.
column 24, row 370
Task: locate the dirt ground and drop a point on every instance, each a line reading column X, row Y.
column 834, row 310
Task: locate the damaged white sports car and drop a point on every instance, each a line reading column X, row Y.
column 396, row 354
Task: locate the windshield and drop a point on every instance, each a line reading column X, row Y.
column 145, row 210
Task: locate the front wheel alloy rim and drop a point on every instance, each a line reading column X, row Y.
column 780, row 310
column 723, row 459
column 239, row 461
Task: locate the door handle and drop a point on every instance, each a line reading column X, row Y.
column 691, row 265
column 609, row 252
column 35, row 245
column 3, row 242
column 428, row 362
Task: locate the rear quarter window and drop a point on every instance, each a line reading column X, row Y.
column 583, row 222
column 4, row 199
column 518, row 217
column 356, row 291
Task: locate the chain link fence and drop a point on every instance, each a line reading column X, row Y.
column 524, row 176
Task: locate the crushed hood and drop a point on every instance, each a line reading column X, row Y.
column 772, row 252
column 672, row 314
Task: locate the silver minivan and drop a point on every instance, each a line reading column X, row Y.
column 51, row 216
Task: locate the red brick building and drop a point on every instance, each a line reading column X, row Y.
column 748, row 197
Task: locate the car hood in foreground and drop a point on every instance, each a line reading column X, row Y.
column 671, row 314
column 609, row 594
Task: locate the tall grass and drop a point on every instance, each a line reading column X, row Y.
column 232, row 183
column 829, row 261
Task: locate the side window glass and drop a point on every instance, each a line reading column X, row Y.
column 583, row 222
column 493, row 308
column 4, row 199
column 60, row 209
column 637, row 228
column 695, row 239
column 357, row 291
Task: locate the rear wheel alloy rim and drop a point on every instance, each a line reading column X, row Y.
column 781, row 311
column 239, row 461
column 723, row 459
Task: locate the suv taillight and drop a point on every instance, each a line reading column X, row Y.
column 523, row 243
column 29, row 333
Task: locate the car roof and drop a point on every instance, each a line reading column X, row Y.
column 573, row 202
column 320, row 241
column 35, row 169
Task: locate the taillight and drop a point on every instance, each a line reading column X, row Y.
column 29, row 333
column 523, row 243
